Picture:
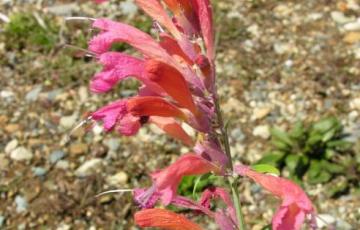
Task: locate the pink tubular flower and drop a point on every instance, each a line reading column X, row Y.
column 168, row 179
column 295, row 204
column 164, row 219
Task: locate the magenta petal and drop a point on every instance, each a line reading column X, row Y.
column 185, row 202
column 109, row 114
column 103, row 82
column 213, row 153
column 224, row 221
column 288, row 217
column 128, row 125
column 146, row 198
column 117, row 66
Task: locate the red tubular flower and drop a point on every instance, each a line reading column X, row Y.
column 156, row 10
column 172, row 82
column 168, row 179
column 172, row 128
column 164, row 219
column 153, row 106
column 295, row 203
column 173, row 48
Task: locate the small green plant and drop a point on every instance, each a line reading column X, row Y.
column 25, row 30
column 193, row 185
column 316, row 152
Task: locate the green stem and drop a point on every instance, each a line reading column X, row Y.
column 232, row 184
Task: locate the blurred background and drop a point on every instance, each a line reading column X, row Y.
column 289, row 76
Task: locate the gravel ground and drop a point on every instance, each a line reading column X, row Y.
column 278, row 62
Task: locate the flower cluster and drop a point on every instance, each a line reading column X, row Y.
column 177, row 75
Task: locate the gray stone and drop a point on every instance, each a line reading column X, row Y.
column 2, row 221
column 113, row 144
column 33, row 94
column 21, row 204
column 39, row 171
column 128, row 8
column 237, row 134
column 21, row 154
column 89, row 167
column 56, row 156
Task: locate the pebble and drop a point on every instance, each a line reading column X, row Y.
column 260, row 113
column 63, row 226
column 355, row 104
column 2, row 221
column 113, row 144
column 352, row 37
column 11, row 146
column 62, row 164
column 323, row 220
column 21, row 204
column 128, row 8
column 353, row 26
column 83, row 94
column 78, row 148
column 282, row 48
column 262, row 131
column 63, row 9
column 6, row 94
column 353, row 115
column 89, row 167
column 340, row 18
column 119, row 178
column 68, row 122
column 39, row 171
column 4, row 162
column 11, row 128
column 33, row 94
column 56, row 156
column 237, row 134
column 21, row 154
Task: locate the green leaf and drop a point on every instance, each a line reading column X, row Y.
column 316, row 174
column 329, row 135
column 331, row 167
column 340, row 145
column 337, row 187
column 272, row 158
column 291, row 162
column 329, row 153
column 201, row 182
column 267, row 227
column 265, row 168
column 280, row 145
column 326, row 124
column 298, row 130
column 314, row 139
column 281, row 136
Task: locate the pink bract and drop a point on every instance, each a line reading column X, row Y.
column 295, row 204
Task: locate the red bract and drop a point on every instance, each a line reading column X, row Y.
column 168, row 179
column 164, row 219
column 295, row 204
